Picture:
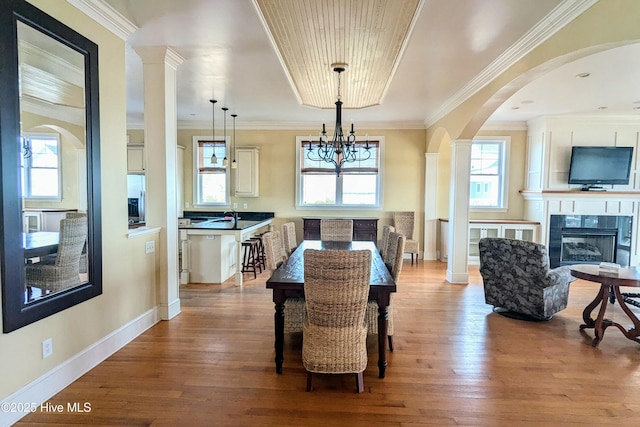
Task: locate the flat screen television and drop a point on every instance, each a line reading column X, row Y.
column 596, row 166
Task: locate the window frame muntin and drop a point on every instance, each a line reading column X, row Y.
column 196, row 172
column 505, row 141
column 379, row 181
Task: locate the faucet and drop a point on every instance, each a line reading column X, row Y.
column 232, row 213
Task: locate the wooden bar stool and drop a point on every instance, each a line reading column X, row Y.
column 259, row 255
column 249, row 263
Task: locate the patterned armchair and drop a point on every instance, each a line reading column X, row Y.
column 517, row 279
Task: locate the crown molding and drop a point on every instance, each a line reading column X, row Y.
column 106, row 16
column 504, row 125
column 557, row 19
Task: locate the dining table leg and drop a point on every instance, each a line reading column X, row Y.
column 278, row 319
column 383, row 318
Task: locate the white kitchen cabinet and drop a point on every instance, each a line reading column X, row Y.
column 519, row 230
column 135, row 159
column 248, row 172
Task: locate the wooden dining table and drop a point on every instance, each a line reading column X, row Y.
column 40, row 243
column 288, row 282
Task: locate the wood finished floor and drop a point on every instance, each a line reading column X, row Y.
column 455, row 363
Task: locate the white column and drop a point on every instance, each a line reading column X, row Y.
column 161, row 135
column 458, row 254
column 430, row 206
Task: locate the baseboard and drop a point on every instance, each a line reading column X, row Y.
column 169, row 311
column 43, row 388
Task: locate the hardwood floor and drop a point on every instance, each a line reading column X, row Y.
column 455, row 363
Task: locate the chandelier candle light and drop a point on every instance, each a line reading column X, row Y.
column 340, row 149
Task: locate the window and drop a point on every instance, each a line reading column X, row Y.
column 40, row 163
column 488, row 181
column 211, row 180
column 359, row 183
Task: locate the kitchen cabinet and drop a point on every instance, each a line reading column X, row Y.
column 247, row 172
column 135, row 158
column 364, row 229
column 511, row 229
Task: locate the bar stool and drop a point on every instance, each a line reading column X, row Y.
column 259, row 256
column 249, row 264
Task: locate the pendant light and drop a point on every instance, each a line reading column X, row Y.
column 214, row 159
column 225, row 162
column 234, row 164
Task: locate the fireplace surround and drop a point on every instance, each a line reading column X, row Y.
column 589, row 239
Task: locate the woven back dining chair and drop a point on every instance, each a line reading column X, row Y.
column 84, row 263
column 386, row 229
column 395, row 249
column 336, row 230
column 289, row 237
column 55, row 274
column 404, row 222
column 294, row 308
column 336, row 286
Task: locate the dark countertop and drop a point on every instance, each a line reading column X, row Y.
column 220, row 224
column 248, row 216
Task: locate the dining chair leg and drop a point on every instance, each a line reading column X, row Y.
column 309, row 376
column 359, row 382
column 390, row 338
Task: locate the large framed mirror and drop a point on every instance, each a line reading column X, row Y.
column 50, row 249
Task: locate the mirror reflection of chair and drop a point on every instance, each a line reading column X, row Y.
column 83, row 257
column 294, row 308
column 336, row 286
column 404, row 222
column 289, row 237
column 518, row 281
column 395, row 249
column 55, row 274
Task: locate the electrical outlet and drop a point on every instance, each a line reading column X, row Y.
column 235, row 206
column 47, row 348
column 150, row 247
column 245, row 206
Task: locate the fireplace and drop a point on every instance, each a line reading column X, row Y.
column 589, row 239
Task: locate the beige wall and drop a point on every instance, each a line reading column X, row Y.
column 403, row 175
column 129, row 276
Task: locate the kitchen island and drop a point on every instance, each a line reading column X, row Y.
column 212, row 246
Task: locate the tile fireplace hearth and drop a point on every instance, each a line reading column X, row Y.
column 589, row 239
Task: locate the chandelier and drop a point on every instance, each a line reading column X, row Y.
column 340, row 149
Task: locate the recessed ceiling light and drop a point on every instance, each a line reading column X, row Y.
column 602, row 108
column 636, row 102
column 582, row 75
column 515, row 107
column 636, row 108
column 527, row 101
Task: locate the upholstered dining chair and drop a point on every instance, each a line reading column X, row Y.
column 395, row 249
column 336, row 286
column 289, row 237
column 386, row 229
column 294, row 308
column 55, row 274
column 404, row 222
column 336, row 230
column 518, row 281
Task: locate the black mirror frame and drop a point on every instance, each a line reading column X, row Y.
column 15, row 313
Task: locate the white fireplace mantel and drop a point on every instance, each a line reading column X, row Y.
column 541, row 204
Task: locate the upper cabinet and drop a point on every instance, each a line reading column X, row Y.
column 135, row 159
column 247, row 173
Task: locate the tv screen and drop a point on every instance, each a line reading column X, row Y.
column 600, row 165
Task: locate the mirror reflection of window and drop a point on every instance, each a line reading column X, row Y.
column 53, row 164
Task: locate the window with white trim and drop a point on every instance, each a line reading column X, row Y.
column 358, row 186
column 488, row 177
column 40, row 162
column 211, row 180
